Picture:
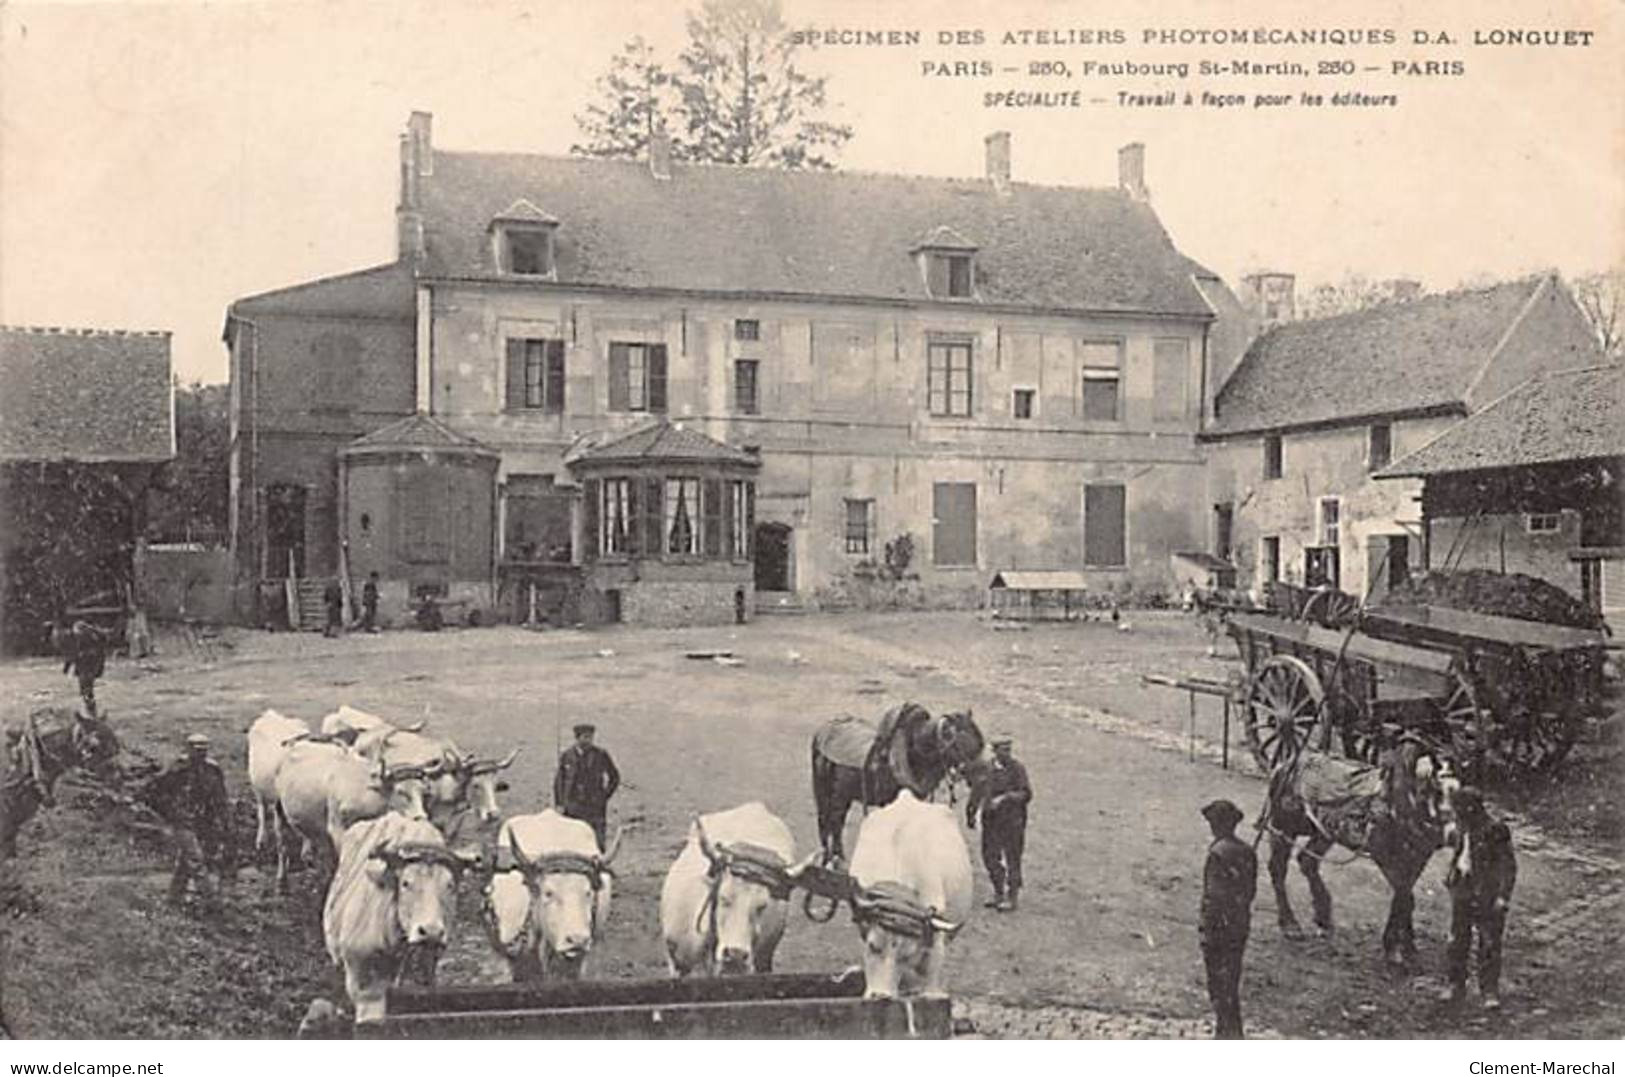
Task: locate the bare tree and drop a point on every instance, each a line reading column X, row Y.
column 1356, row 292
column 1602, row 299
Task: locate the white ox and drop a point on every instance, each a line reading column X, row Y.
column 268, row 741
column 548, row 898
column 322, row 789
column 456, row 781
column 725, row 900
column 914, row 893
column 389, row 910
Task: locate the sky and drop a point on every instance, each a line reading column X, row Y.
column 159, row 160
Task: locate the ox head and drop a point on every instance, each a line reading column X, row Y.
column 543, row 913
column 404, row 787
column 469, row 782
column 748, row 886
column 898, row 936
column 422, row 877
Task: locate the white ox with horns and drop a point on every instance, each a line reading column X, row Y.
column 914, row 892
column 549, row 894
column 725, row 901
column 388, row 913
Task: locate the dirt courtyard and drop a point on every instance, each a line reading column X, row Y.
column 1104, row 943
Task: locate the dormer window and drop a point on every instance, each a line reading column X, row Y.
column 948, row 264
column 522, row 238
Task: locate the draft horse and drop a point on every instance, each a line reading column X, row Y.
column 51, row 742
column 909, row 749
column 1391, row 812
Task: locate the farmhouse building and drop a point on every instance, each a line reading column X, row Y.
column 1532, row 484
column 86, row 424
column 1316, row 408
column 1013, row 376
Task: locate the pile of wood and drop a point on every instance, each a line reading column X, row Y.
column 1510, row 594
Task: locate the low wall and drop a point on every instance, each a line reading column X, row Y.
column 675, row 604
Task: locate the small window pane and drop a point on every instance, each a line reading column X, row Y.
column 745, row 390
column 858, row 513
column 1022, row 405
column 1382, row 445
column 959, row 277
column 1272, row 457
column 747, row 329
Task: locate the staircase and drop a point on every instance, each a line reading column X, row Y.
column 312, row 612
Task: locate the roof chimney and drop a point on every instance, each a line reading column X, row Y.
column 1404, row 289
column 1131, row 171
column 998, row 161
column 420, row 129
column 1270, row 296
column 660, row 155
column 408, row 214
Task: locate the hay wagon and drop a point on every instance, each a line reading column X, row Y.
column 1499, row 692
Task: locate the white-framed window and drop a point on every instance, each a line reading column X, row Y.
column 742, row 495
column 683, row 515
column 949, row 274
column 1331, row 521
column 615, row 521
column 860, row 518
column 948, row 377
column 1544, row 523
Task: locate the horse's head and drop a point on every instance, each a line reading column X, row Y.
column 959, row 741
column 1424, row 781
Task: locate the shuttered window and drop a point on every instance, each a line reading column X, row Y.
column 1100, row 380
column 637, row 377
column 1104, row 544
column 714, row 504
column 953, row 524
column 536, row 375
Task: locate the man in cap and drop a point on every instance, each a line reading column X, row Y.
column 1229, row 881
column 1483, row 870
column 191, row 796
column 84, row 652
column 585, row 781
column 1001, row 795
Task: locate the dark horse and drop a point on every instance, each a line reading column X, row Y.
column 1389, row 812
column 854, row 760
column 51, row 742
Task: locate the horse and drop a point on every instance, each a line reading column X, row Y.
column 1391, row 812
column 51, row 742
column 910, row 749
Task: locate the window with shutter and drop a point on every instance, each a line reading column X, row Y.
column 657, row 378
column 620, row 365
column 653, row 518
column 591, row 491
column 516, row 375
column 637, row 377
column 1101, row 371
column 714, row 503
column 1103, row 525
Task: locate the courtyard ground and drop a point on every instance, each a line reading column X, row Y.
column 1104, row 944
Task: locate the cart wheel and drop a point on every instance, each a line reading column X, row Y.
column 1331, row 609
column 1284, row 704
column 1467, row 722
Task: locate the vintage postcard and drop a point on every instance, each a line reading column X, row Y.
column 796, row 519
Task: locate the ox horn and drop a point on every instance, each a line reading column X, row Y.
column 947, row 927
column 518, row 853
column 507, row 761
column 415, row 727
column 794, row 870
column 705, row 843
column 614, row 843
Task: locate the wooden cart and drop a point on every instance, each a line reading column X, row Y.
column 1502, row 694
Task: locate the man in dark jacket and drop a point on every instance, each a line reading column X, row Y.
column 1001, row 795
column 333, row 599
column 369, row 603
column 84, row 654
column 1483, row 870
column 191, row 796
column 1229, row 880
column 585, row 781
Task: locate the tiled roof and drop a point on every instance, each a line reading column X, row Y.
column 1567, row 415
column 522, row 212
column 417, row 431
column 1399, row 358
column 85, row 394
column 660, row 440
column 758, row 231
column 380, row 291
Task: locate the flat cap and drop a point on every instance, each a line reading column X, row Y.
column 197, row 740
column 1001, row 738
column 583, row 727
column 1222, row 809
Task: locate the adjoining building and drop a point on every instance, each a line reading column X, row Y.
column 1533, row 484
column 1012, row 375
column 87, row 420
column 1317, row 408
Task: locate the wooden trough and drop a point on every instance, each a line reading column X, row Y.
column 772, row 1006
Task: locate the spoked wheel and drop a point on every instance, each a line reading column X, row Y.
column 1467, row 721
column 1284, row 704
column 1331, row 609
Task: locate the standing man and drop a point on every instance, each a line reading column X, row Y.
column 1229, row 881
column 369, row 603
column 585, row 781
column 191, row 796
column 84, row 653
column 333, row 598
column 1483, row 870
column 1002, row 795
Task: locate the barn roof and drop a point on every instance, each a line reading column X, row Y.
column 89, row 395
column 773, row 232
column 1400, row 358
column 1554, row 417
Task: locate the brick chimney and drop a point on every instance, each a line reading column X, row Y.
column 660, row 155
column 417, row 161
column 1131, row 171
column 1270, row 296
column 998, row 161
column 1404, row 289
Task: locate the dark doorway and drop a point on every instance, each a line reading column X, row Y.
column 773, row 557
column 1223, row 525
column 284, row 531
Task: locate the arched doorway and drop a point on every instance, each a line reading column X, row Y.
column 773, row 557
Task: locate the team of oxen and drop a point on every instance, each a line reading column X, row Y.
column 382, row 811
